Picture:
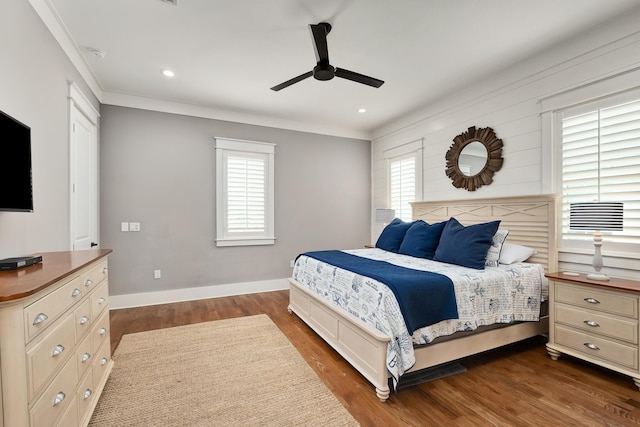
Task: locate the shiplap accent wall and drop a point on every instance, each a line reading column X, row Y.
column 510, row 103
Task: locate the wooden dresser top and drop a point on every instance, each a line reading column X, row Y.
column 20, row 283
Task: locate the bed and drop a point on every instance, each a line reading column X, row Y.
column 530, row 221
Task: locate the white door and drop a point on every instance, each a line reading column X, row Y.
column 84, row 177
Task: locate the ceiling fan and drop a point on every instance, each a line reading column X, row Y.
column 323, row 70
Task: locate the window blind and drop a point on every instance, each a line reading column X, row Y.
column 601, row 161
column 402, row 186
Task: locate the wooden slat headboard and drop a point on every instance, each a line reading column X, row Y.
column 531, row 220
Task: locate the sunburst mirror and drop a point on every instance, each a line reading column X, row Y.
column 473, row 158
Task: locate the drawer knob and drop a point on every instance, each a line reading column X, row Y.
column 103, row 361
column 102, row 331
column 88, row 283
column 40, row 318
column 83, row 320
column 592, row 323
column 101, row 300
column 58, row 350
column 59, row 398
column 105, row 270
column 592, row 300
column 85, row 357
column 591, row 346
column 87, row 393
column 76, row 292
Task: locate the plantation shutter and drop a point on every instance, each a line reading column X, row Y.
column 601, row 161
column 246, row 181
column 402, row 185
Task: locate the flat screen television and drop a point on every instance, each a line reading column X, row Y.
column 16, row 193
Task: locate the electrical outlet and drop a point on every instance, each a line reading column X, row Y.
column 157, row 274
column 134, row 226
column 292, row 263
column 124, row 226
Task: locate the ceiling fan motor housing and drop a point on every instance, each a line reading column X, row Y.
column 324, row 71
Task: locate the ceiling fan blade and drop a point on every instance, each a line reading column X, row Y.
column 319, row 33
column 360, row 78
column 292, row 81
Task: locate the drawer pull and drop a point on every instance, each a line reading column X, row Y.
column 88, row 283
column 87, row 393
column 85, row 357
column 76, row 292
column 83, row 320
column 40, row 318
column 58, row 350
column 592, row 323
column 103, row 361
column 59, row 398
column 102, row 331
column 101, row 300
column 591, row 346
column 105, row 270
column 592, row 300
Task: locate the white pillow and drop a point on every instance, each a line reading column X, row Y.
column 493, row 255
column 512, row 253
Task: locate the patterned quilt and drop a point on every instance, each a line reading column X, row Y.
column 502, row 294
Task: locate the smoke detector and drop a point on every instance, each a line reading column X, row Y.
column 96, row 52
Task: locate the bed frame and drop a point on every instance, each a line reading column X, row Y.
column 531, row 221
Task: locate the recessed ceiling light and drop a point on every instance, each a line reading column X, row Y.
column 168, row 73
column 362, row 110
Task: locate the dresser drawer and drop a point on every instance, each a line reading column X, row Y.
column 93, row 277
column 597, row 323
column 596, row 299
column 100, row 332
column 43, row 312
column 83, row 318
column 70, row 417
column 101, row 363
column 84, row 356
column 100, row 299
column 49, row 353
column 56, row 398
column 85, row 396
column 597, row 347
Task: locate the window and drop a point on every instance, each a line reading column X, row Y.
column 601, row 161
column 404, row 166
column 244, row 193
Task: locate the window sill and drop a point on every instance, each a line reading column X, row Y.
column 246, row 242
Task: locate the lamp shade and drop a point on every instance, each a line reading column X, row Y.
column 385, row 215
column 602, row 216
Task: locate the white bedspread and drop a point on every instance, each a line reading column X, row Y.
column 502, row 294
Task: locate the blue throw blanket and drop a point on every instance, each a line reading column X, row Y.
column 424, row 297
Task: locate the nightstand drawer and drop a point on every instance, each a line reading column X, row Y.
column 596, row 347
column 596, row 323
column 596, row 299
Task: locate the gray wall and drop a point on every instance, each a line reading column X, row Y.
column 159, row 169
column 34, row 74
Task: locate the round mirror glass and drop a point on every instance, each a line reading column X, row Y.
column 472, row 159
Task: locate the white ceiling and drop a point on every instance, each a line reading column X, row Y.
column 227, row 54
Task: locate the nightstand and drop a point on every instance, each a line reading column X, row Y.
column 595, row 321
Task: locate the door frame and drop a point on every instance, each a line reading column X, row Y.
column 80, row 103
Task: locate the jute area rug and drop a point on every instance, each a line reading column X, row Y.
column 234, row 372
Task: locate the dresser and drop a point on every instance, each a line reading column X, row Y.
column 55, row 352
column 596, row 321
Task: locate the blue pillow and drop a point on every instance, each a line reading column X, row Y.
column 422, row 239
column 466, row 246
column 391, row 237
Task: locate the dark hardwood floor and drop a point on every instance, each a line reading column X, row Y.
column 518, row 385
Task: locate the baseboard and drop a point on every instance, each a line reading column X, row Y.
column 191, row 294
